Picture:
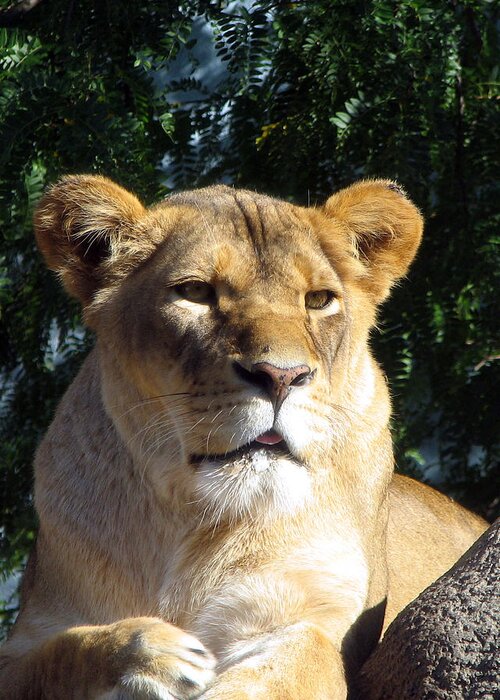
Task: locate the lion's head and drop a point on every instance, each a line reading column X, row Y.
column 232, row 327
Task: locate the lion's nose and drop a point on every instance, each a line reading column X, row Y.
column 276, row 381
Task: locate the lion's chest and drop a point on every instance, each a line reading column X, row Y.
column 321, row 579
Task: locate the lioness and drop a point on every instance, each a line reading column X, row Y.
column 218, row 511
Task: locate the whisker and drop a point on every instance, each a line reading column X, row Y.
column 180, row 396
column 345, row 410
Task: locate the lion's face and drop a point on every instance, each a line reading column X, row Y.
column 232, row 326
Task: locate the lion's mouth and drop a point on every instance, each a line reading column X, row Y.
column 271, row 442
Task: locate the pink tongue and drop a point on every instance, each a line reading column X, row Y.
column 269, row 438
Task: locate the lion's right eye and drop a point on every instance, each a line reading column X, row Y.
column 319, row 299
column 197, row 292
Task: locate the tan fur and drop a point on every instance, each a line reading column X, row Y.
column 276, row 563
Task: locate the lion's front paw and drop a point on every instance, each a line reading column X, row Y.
column 161, row 662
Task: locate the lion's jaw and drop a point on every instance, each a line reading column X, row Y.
column 230, row 457
column 272, row 469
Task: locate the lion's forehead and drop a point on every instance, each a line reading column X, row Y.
column 253, row 208
column 240, row 235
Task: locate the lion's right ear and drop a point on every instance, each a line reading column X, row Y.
column 382, row 229
column 81, row 224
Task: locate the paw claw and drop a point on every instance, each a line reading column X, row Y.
column 162, row 662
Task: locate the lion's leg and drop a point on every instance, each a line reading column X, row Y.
column 299, row 661
column 135, row 658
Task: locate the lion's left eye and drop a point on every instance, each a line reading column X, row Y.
column 197, row 292
column 319, row 299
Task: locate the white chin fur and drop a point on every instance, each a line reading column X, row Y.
column 258, row 485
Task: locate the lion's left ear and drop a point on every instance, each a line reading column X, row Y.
column 82, row 223
column 383, row 229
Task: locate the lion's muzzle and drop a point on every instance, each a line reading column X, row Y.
column 277, row 382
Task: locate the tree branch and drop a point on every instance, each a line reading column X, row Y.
column 485, row 360
column 12, row 15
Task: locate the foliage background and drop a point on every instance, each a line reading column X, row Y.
column 296, row 99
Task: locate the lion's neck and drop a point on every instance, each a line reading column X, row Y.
column 89, row 492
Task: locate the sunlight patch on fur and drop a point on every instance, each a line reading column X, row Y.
column 138, row 685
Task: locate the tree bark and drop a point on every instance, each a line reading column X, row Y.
column 445, row 644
